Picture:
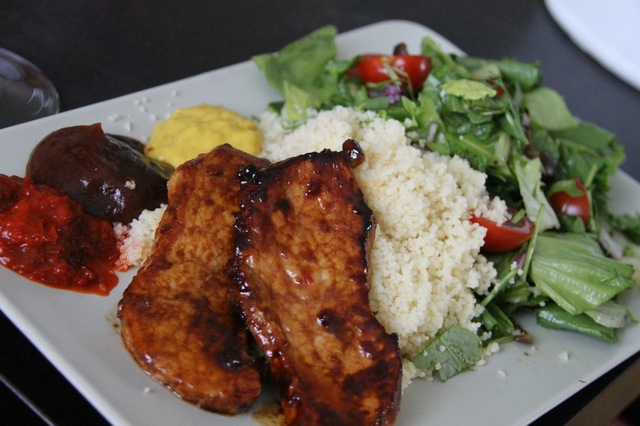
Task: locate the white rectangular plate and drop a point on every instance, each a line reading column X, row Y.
column 78, row 333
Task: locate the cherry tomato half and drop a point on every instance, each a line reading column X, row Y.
column 576, row 204
column 505, row 237
column 410, row 68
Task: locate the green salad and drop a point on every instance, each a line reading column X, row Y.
column 552, row 169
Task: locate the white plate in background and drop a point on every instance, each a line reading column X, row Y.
column 609, row 31
column 76, row 332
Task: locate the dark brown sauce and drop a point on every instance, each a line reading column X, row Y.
column 108, row 175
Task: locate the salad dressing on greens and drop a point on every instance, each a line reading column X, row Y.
column 552, row 169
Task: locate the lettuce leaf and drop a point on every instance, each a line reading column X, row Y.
column 575, row 273
column 529, row 174
column 468, row 89
column 610, row 314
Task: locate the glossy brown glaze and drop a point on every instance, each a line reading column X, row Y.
column 177, row 316
column 108, row 174
column 301, row 274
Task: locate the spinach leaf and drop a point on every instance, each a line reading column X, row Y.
column 553, row 316
column 527, row 75
column 548, row 110
column 302, row 64
column 589, row 153
column 629, row 225
column 444, row 65
column 451, row 352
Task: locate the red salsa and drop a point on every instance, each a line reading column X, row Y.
column 46, row 237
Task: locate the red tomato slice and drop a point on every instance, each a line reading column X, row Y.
column 411, row 68
column 573, row 205
column 505, row 237
column 499, row 89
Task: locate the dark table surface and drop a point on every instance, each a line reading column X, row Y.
column 98, row 50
